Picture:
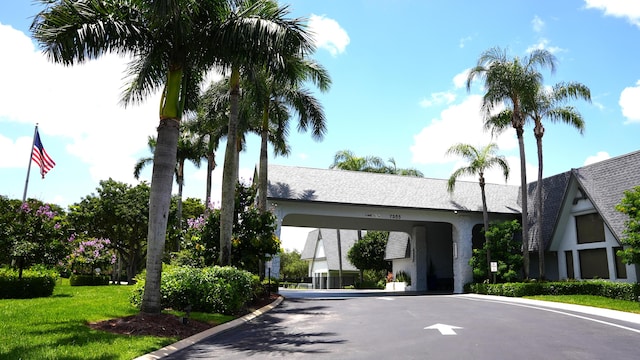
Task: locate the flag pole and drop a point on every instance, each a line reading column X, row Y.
column 26, row 183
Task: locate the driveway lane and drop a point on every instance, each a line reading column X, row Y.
column 385, row 327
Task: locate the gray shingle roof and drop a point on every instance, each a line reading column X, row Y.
column 353, row 187
column 604, row 183
column 330, row 241
column 397, row 246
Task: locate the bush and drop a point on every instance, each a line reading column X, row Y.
column 88, row 280
column 214, row 289
column 403, row 276
column 36, row 282
column 613, row 290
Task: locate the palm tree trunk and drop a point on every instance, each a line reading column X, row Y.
column 229, row 178
column 211, row 164
column 539, row 205
column 164, row 164
column 524, row 193
column 485, row 218
column 262, row 173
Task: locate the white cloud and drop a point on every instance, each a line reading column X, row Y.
column 495, row 175
column 459, row 123
column 543, row 44
column 600, row 156
column 537, row 24
column 460, row 80
column 22, row 145
column 438, row 98
column 629, row 10
column 464, row 41
column 328, row 34
column 629, row 103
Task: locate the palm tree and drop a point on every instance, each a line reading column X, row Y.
column 275, row 95
column 480, row 160
column 513, row 82
column 173, row 44
column 550, row 105
column 347, row 160
column 285, row 38
column 190, row 148
column 393, row 169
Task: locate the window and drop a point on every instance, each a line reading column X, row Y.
column 594, row 264
column 568, row 255
column 590, row 228
column 621, row 268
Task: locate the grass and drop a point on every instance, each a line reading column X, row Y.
column 591, row 300
column 55, row 327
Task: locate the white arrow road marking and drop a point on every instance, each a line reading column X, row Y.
column 444, row 329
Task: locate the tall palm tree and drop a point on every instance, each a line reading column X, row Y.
column 173, row 45
column 190, row 148
column 286, row 37
column 275, row 95
column 550, row 104
column 347, row 160
column 480, row 160
column 514, row 83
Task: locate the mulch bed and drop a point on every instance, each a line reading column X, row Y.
column 164, row 325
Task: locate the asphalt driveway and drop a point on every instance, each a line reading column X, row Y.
column 423, row 327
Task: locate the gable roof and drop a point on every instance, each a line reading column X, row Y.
column 603, row 183
column 397, row 246
column 329, row 238
column 363, row 188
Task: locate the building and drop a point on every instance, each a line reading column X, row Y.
column 327, row 257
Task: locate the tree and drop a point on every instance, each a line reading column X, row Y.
column 173, row 45
column 191, row 148
column 630, row 205
column 514, row 83
column 505, row 250
column 347, row 160
column 291, row 266
column 480, row 160
column 276, row 94
column 550, row 104
column 118, row 212
column 368, row 253
column 279, row 37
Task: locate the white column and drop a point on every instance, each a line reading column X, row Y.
column 462, row 233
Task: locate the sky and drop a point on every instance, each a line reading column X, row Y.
column 398, row 70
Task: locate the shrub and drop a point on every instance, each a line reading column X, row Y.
column 613, row 290
column 402, row 276
column 214, row 289
column 88, row 280
column 35, row 282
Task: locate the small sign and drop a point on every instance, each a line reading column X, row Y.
column 494, row 266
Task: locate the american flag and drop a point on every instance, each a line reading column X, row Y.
column 40, row 156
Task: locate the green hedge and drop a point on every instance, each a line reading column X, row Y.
column 34, row 283
column 88, row 280
column 216, row 289
column 613, row 290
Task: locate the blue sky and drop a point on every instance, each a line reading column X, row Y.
column 398, row 69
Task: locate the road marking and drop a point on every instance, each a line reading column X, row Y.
column 386, row 298
column 444, row 329
column 557, row 312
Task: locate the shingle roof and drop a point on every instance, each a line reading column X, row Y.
column 604, row 183
column 330, row 241
column 353, row 187
column 397, row 246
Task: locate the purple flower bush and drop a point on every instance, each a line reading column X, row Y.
column 90, row 256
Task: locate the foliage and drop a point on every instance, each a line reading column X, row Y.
column 212, row 289
column 35, row 282
column 630, row 205
column 505, row 250
column 118, row 212
column 608, row 289
column 372, row 279
column 90, row 256
column 368, row 252
column 88, row 280
column 32, row 232
column 253, row 235
column 292, row 267
column 403, row 276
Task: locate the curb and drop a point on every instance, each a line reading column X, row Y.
column 169, row 349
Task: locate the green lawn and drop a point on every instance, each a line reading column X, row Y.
column 595, row 301
column 55, row 327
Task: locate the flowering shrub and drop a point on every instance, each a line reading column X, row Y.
column 91, row 256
